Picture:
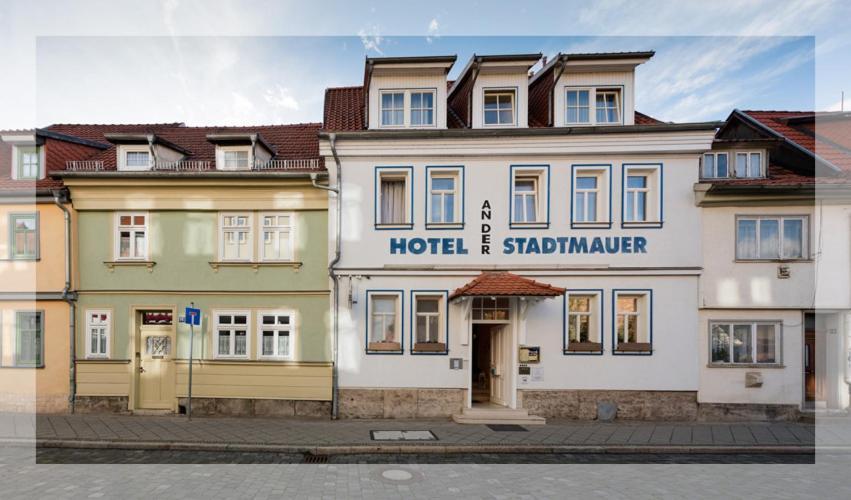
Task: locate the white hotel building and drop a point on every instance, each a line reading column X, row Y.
column 519, row 246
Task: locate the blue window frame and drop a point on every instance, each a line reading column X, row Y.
column 444, row 195
column 430, row 322
column 642, row 200
column 583, row 321
column 591, row 196
column 385, row 322
column 632, row 321
column 529, row 197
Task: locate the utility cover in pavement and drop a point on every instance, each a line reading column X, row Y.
column 507, row 428
column 402, row 436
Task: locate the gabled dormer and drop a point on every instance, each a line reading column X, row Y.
column 584, row 90
column 141, row 151
column 406, row 92
column 241, row 151
column 492, row 91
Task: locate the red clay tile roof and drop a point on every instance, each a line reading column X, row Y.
column 344, row 111
column 291, row 142
column 491, row 284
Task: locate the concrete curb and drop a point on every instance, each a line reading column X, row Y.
column 354, row 449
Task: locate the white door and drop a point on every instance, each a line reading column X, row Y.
column 498, row 374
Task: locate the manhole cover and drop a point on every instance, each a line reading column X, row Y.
column 396, row 475
column 402, row 436
column 507, row 428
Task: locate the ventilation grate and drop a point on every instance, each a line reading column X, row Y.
column 310, row 458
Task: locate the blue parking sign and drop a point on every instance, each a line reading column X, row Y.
column 193, row 316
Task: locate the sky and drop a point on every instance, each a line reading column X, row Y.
column 219, row 62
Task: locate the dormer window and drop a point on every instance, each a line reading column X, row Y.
column 392, row 109
column 593, row 106
column 422, row 108
column 499, row 107
column 407, row 108
column 137, row 159
column 236, row 160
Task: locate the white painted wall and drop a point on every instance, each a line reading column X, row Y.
column 780, row 385
column 730, row 284
column 618, row 79
column 832, row 242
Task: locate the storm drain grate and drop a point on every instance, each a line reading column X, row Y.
column 309, row 458
column 402, row 436
column 507, row 428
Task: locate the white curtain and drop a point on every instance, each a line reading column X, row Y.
column 393, row 201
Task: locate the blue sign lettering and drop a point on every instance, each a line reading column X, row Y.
column 434, row 246
column 575, row 245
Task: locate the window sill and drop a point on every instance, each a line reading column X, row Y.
column 767, row 366
column 23, row 367
column 255, row 265
column 773, row 261
column 444, row 225
column 639, row 225
column 591, row 225
column 584, row 347
column 111, row 265
column 104, row 361
column 385, row 227
column 384, row 347
column 21, row 259
column 634, row 348
column 429, row 348
column 529, row 225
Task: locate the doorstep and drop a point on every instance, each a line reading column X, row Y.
column 493, row 414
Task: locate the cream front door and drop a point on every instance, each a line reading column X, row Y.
column 156, row 368
column 498, row 375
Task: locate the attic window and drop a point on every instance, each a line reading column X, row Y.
column 608, row 106
column 236, row 160
column 499, row 107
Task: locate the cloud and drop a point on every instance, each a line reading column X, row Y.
column 433, row 30
column 280, row 97
column 371, row 39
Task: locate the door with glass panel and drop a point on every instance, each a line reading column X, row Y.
column 155, row 359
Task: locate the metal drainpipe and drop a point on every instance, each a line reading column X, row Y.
column 70, row 299
column 332, row 273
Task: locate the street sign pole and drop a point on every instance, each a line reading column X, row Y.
column 191, row 345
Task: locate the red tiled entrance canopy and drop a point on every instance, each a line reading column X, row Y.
column 504, row 284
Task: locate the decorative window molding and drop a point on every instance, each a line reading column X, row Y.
column 429, row 322
column 276, row 331
column 499, row 107
column 131, row 237
column 24, row 236
column 772, row 237
column 277, row 237
column 385, row 323
column 445, row 197
column 715, row 165
column 642, row 202
column 236, row 236
column 394, row 197
column 591, row 197
column 231, row 334
column 29, row 339
column 583, row 313
column 745, row 343
column 530, row 197
column 98, row 333
column 632, row 321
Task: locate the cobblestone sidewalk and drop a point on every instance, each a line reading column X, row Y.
column 244, row 433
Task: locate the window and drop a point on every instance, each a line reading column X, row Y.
column 429, row 332
column 642, row 196
column 236, row 159
column 137, row 159
column 583, row 322
column 714, row 166
column 236, row 237
column 529, row 204
column 231, row 335
column 97, row 334
column 771, row 237
column 491, row 309
column 277, row 237
column 24, row 236
column 422, row 108
column 28, row 163
column 499, row 107
column 590, row 196
column 385, row 330
column 393, row 109
column 393, row 189
column 607, row 106
column 632, row 321
column 578, row 106
column 275, row 329
column 132, row 236
column 29, row 341
column 748, row 164
column 444, row 196
column 746, row 342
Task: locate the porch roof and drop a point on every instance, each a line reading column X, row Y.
column 505, row 284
